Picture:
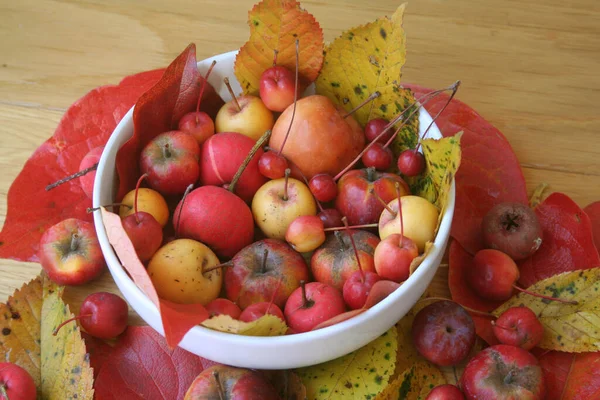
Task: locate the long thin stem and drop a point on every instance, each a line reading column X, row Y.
column 92, row 209
column 259, row 144
column 362, row 273
column 204, row 83
column 55, row 332
column 71, row 177
column 135, row 198
column 339, row 228
column 374, row 193
column 369, row 99
column 234, row 99
column 397, row 185
column 285, row 185
column 187, row 191
column 482, row 313
column 574, row 302
column 295, row 98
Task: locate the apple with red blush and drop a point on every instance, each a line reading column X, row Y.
column 70, row 252
column 255, row 272
column 393, row 256
column 258, row 310
column 445, row 392
column 16, row 383
column 335, row 261
column 246, row 115
column 355, row 200
column 221, row 306
column 305, row 233
column 356, row 289
column 198, row 124
column 277, row 88
column 170, row 161
column 145, row 233
column 311, row 304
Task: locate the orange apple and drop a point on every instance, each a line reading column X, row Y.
column 252, row 119
column 149, row 201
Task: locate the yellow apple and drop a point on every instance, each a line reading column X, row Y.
column 176, row 270
column 252, row 119
column 149, row 201
column 420, row 219
column 273, row 212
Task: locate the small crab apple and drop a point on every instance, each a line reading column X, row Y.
column 323, row 187
column 503, row 372
column 70, row 252
column 16, row 383
column 149, row 201
column 374, row 127
column 272, row 165
column 393, row 256
column 519, row 326
column 512, row 228
column 411, row 162
column 378, row 156
column 443, row 333
column 445, row 392
column 331, row 218
column 311, row 304
column 245, row 114
column 221, row 306
column 305, row 233
column 198, row 123
column 277, row 88
column 257, row 310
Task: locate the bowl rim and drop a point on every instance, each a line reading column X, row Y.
column 119, row 274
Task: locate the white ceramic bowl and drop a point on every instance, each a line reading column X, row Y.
column 280, row 352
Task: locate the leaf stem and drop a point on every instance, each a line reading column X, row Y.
column 295, row 98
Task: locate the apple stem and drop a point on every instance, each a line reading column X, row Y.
column 135, row 199
column 362, row 273
column 273, row 295
column 422, row 101
column 166, row 151
column 275, row 52
column 339, row 228
column 92, row 209
column 319, row 205
column 454, row 89
column 472, row 310
column 187, row 191
column 306, row 303
column 218, row 266
column 220, row 385
column 397, row 185
column 285, row 185
column 3, row 393
column 295, row 99
column 234, row 99
column 71, row 177
column 259, row 143
column 573, row 302
column 374, row 193
column 55, row 332
column 264, row 261
column 504, row 327
column 204, row 82
column 369, row 99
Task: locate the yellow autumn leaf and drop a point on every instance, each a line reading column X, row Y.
column 267, row 325
column 275, row 25
column 361, row 374
column 414, row 264
column 407, row 353
column 414, row 383
column 573, row 328
column 58, row 364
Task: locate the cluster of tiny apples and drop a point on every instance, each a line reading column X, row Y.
column 444, row 332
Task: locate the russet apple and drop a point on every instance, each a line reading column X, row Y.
column 251, row 119
column 177, row 272
column 70, row 252
column 257, row 269
column 419, row 216
column 278, row 202
column 355, row 200
column 321, row 140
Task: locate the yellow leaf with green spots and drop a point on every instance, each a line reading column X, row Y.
column 414, row 383
column 359, row 375
column 58, row 364
column 442, row 160
column 572, row 328
column 267, row 325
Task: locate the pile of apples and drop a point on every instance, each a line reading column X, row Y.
column 304, row 236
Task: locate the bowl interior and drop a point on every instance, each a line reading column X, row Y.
column 280, row 352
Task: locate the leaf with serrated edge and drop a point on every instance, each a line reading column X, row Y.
column 267, row 325
column 66, row 371
column 275, row 25
column 567, row 327
column 358, row 375
column 414, row 383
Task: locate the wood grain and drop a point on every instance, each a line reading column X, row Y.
column 528, row 66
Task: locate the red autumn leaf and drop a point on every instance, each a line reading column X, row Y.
column 99, row 351
column 87, row 124
column 142, row 366
column 567, row 242
column 570, row 376
column 177, row 319
column 459, row 263
column 593, row 211
column 160, row 109
column 489, row 171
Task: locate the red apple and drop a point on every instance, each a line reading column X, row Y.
column 217, row 218
column 277, row 88
column 70, row 253
column 171, row 162
column 198, row 124
column 251, row 119
column 445, row 392
column 354, row 199
column 311, row 304
column 221, row 306
column 257, row 269
column 331, row 218
column 145, row 234
column 87, row 180
column 335, row 261
column 224, row 382
column 393, row 257
column 257, row 310
column 16, row 383
column 305, row 233
column 321, row 140
column 503, row 372
column 220, row 159
column 357, row 288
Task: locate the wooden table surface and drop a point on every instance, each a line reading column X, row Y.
column 530, row 67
